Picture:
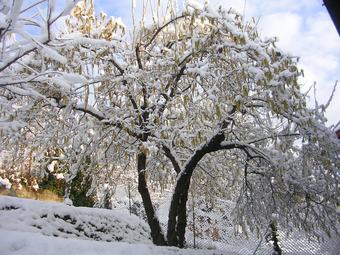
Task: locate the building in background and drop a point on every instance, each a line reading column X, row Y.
column 333, row 7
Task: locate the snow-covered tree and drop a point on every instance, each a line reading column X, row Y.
column 29, row 43
column 193, row 95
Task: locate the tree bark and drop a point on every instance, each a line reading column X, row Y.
column 156, row 230
column 177, row 213
column 182, row 215
column 177, row 220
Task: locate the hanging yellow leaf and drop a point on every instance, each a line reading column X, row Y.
column 218, row 111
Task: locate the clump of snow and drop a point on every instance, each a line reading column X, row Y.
column 59, row 176
column 194, row 4
column 52, row 54
column 74, row 78
column 35, row 187
column 68, row 201
column 5, row 183
column 51, row 166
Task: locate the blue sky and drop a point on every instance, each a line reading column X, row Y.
column 303, row 27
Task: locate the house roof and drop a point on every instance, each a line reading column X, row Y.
column 333, row 7
column 338, row 133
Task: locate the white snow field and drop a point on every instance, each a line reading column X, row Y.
column 30, row 227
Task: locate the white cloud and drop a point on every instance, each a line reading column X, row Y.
column 321, row 25
column 285, row 25
column 269, row 6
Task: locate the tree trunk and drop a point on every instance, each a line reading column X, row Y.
column 172, row 218
column 156, row 231
column 182, row 215
column 177, row 219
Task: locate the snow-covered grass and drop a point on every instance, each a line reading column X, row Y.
column 30, row 227
column 61, row 220
column 24, row 243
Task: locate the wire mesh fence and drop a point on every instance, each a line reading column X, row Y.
column 296, row 244
column 212, row 229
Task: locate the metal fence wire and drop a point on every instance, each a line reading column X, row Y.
column 211, row 229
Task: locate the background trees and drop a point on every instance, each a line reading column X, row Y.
column 195, row 95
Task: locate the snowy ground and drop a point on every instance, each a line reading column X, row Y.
column 31, row 227
column 60, row 220
column 25, row 243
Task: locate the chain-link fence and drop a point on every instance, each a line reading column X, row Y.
column 294, row 244
column 213, row 229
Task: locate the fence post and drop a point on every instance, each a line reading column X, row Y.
column 129, row 193
column 193, row 218
column 277, row 249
